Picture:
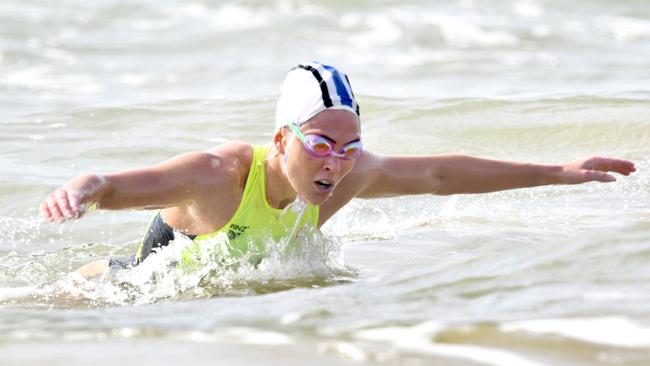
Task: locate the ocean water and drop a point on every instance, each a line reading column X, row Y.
column 556, row 275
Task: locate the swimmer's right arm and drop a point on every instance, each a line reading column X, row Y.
column 187, row 177
column 71, row 200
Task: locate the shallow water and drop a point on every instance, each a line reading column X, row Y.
column 548, row 276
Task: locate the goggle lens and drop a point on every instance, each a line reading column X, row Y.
column 352, row 151
column 320, row 147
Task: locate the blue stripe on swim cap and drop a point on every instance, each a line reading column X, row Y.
column 350, row 85
column 341, row 90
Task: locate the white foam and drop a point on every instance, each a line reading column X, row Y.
column 458, row 32
column 290, row 318
column 159, row 277
column 134, row 79
column 418, row 338
column 612, row 331
column 529, row 9
column 626, row 29
column 10, row 293
column 379, row 30
column 344, row 349
column 238, row 335
column 234, row 17
column 45, row 78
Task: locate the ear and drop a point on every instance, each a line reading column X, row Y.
column 279, row 140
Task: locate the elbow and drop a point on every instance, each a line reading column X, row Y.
column 438, row 186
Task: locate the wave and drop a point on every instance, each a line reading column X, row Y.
column 527, row 341
column 316, row 261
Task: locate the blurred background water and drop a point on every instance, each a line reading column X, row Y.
column 546, row 276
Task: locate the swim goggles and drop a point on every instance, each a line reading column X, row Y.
column 319, row 146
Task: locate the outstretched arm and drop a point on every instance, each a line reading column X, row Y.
column 184, row 178
column 453, row 174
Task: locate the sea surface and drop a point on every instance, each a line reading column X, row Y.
column 556, row 275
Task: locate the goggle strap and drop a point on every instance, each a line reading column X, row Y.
column 297, row 131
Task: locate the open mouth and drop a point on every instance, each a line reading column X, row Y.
column 324, row 185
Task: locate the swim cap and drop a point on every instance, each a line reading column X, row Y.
column 310, row 88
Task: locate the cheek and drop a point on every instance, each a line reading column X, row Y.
column 303, row 160
column 347, row 165
column 298, row 157
column 302, row 164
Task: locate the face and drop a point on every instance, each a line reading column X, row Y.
column 313, row 177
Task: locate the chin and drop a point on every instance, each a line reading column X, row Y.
column 316, row 195
column 315, row 200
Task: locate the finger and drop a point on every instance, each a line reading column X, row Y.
column 595, row 176
column 45, row 211
column 75, row 204
column 63, row 203
column 624, row 167
column 54, row 209
column 614, row 165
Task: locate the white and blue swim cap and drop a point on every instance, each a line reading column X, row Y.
column 311, row 88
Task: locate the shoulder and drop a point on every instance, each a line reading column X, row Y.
column 221, row 164
column 231, row 159
column 222, row 158
column 237, row 152
column 223, row 168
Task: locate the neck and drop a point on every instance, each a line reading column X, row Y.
column 279, row 192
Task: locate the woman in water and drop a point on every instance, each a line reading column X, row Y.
column 315, row 160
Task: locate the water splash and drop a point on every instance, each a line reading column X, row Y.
column 313, row 261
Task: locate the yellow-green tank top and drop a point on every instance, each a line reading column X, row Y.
column 255, row 221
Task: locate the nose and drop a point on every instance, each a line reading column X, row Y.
column 332, row 164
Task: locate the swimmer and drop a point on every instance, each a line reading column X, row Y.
column 316, row 154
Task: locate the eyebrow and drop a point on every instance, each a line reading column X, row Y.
column 334, row 141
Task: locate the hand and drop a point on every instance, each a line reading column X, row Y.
column 595, row 169
column 61, row 205
column 69, row 202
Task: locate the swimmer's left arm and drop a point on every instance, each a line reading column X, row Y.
column 456, row 174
